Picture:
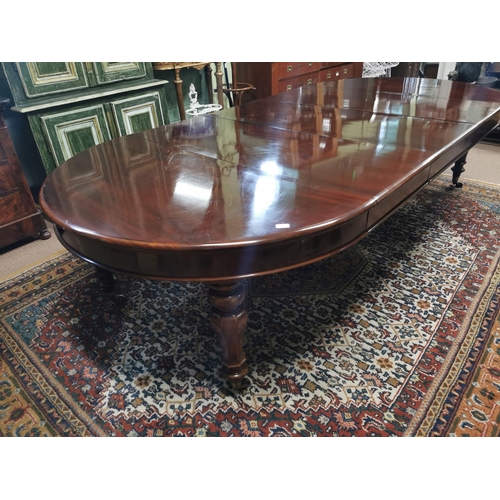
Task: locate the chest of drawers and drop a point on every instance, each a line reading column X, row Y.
column 271, row 78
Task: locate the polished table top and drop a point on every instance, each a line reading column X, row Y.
column 278, row 169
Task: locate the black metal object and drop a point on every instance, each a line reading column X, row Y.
column 228, row 86
column 466, row 72
column 457, row 170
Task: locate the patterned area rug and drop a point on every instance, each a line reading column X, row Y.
column 398, row 336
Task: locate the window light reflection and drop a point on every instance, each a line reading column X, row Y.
column 188, row 190
column 267, row 188
column 271, row 168
column 265, row 194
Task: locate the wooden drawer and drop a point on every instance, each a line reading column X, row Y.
column 327, row 65
column 293, row 69
column 13, row 207
column 294, row 83
column 337, row 73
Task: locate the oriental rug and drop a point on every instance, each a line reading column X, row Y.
column 397, row 336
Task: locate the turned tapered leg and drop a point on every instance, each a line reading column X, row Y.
column 229, row 320
column 457, row 169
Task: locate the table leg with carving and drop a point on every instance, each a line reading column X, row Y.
column 229, row 320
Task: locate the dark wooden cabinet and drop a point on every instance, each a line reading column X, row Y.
column 19, row 216
column 271, row 78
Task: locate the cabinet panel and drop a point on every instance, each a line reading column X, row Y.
column 108, row 72
column 73, row 131
column 136, row 114
column 44, row 78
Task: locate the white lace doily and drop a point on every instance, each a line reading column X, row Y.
column 373, row 69
column 196, row 108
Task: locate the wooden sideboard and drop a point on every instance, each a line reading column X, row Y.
column 271, row 78
column 19, row 216
column 74, row 105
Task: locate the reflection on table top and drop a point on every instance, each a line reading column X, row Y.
column 290, row 164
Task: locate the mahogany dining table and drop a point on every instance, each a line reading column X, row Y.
column 262, row 188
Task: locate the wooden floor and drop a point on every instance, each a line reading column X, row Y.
column 483, row 164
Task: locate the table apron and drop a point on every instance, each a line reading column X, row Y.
column 225, row 264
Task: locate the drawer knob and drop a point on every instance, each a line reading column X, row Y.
column 309, row 64
column 289, row 68
column 289, row 86
column 328, row 75
column 309, row 81
column 345, row 71
column 337, row 73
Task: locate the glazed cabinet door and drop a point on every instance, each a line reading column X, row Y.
column 46, row 78
column 135, row 114
column 70, row 132
column 109, row 72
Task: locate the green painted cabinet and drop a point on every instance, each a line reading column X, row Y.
column 73, row 106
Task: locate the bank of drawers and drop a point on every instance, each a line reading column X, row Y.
column 272, row 78
column 293, row 75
